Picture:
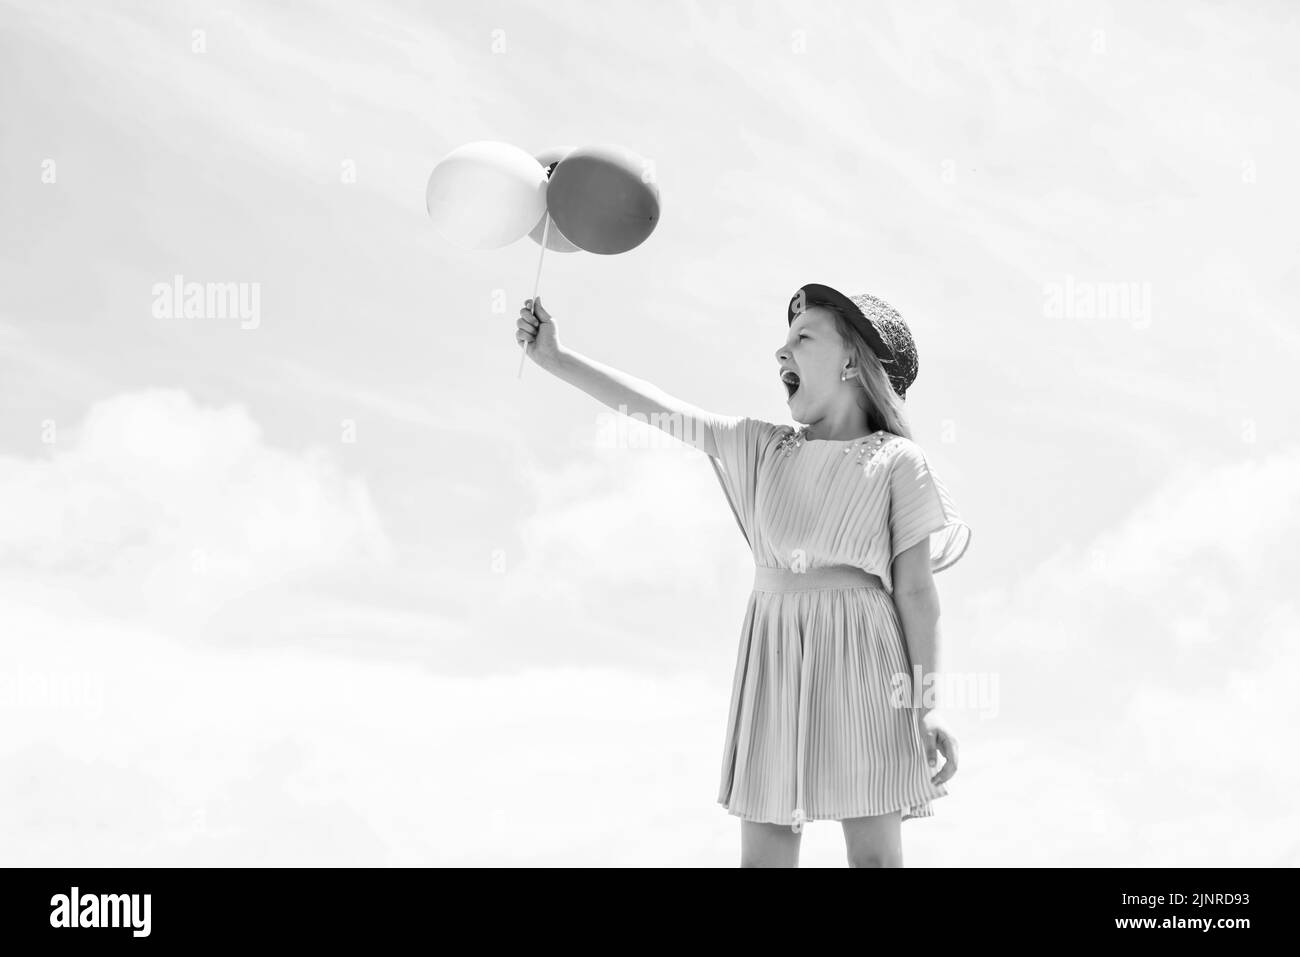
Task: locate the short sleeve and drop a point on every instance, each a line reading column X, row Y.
column 741, row 442
column 920, row 506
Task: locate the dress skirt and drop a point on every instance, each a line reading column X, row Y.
column 821, row 723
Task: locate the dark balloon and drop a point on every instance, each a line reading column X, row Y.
column 603, row 198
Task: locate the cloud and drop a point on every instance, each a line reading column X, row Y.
column 1146, row 668
column 630, row 556
column 1205, row 554
column 158, row 504
column 1150, row 669
column 219, row 756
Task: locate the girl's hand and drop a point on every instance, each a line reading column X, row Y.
column 937, row 737
column 537, row 329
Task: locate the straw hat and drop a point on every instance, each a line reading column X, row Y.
column 877, row 321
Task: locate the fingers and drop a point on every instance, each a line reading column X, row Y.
column 534, row 307
column 948, row 745
column 931, row 752
column 526, row 326
column 531, row 317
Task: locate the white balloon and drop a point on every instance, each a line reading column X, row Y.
column 486, row 194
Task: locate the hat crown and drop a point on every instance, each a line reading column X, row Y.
column 880, row 324
column 900, row 362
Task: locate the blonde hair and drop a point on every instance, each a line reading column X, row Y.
column 884, row 407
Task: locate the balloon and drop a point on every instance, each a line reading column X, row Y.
column 599, row 198
column 485, row 195
column 555, row 240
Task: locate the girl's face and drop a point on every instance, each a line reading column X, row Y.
column 812, row 360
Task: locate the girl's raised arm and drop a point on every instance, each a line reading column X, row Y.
column 618, row 390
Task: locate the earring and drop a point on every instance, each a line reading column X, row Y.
column 846, row 375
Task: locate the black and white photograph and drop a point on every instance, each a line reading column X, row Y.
column 649, row 435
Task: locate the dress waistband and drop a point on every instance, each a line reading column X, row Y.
column 824, row 576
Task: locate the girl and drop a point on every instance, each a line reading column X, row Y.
column 831, row 716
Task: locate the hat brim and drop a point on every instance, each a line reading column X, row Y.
column 816, row 294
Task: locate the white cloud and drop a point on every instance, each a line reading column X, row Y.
column 1150, row 671
column 156, row 504
column 632, row 555
column 272, row 756
column 1109, row 749
column 1212, row 544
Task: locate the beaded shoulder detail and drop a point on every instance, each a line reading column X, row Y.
column 863, row 452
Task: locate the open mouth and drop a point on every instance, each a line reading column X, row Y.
column 791, row 382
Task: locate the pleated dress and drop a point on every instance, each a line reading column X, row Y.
column 817, row 729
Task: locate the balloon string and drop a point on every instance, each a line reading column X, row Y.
column 546, row 228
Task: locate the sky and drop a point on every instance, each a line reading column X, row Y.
column 333, row 586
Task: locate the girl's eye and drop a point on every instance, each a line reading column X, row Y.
column 802, row 336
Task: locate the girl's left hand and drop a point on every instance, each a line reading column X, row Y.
column 937, row 737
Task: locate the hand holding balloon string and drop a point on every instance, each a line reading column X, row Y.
column 535, row 326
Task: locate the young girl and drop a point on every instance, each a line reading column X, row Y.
column 832, row 714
